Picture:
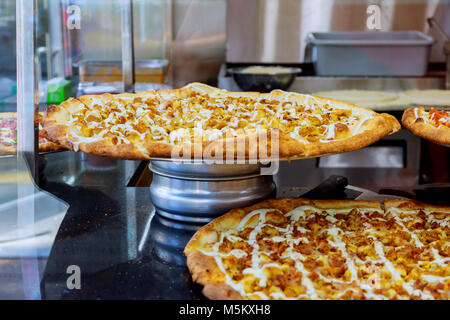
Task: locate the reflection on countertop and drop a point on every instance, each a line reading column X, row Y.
column 112, row 234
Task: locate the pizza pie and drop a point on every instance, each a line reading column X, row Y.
column 202, row 121
column 8, row 135
column 295, row 248
column 433, row 125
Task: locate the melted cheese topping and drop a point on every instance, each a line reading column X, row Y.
column 357, row 253
column 199, row 116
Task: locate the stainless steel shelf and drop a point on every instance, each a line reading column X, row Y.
column 310, row 84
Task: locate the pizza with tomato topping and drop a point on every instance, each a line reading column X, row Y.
column 295, row 248
column 433, row 125
column 8, row 135
column 202, row 121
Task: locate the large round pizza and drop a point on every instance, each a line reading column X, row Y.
column 302, row 249
column 433, row 124
column 202, row 120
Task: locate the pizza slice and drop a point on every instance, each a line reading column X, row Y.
column 202, row 121
column 323, row 249
column 8, row 135
column 433, row 125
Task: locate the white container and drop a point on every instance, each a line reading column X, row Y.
column 377, row 53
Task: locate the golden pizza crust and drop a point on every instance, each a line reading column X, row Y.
column 204, row 268
column 376, row 127
column 424, row 130
column 413, row 205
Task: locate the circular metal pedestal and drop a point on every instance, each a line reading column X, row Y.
column 199, row 191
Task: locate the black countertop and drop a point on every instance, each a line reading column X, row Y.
column 111, row 233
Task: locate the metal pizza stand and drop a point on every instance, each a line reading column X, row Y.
column 197, row 191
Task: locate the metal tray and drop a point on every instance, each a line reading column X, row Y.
column 388, row 53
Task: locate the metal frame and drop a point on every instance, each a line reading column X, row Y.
column 27, row 84
column 168, row 39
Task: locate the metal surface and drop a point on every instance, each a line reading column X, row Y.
column 204, row 169
column 198, row 192
column 392, row 84
column 310, row 84
column 264, row 82
column 128, row 68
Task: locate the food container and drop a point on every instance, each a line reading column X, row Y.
column 390, row 53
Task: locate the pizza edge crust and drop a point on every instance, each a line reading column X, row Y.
column 373, row 129
column 204, row 269
column 414, row 205
column 8, row 150
column 419, row 128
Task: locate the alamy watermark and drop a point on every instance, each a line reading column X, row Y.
column 373, row 21
column 250, row 148
column 74, row 280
